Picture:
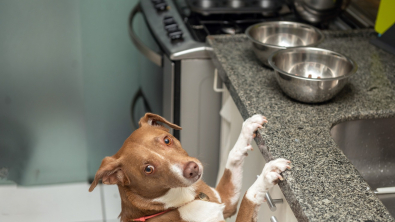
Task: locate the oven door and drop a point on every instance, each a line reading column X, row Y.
column 189, row 101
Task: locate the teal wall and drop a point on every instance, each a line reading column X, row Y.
column 110, row 67
column 68, row 72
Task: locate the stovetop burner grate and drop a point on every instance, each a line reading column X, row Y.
column 215, row 17
column 200, row 25
column 234, row 6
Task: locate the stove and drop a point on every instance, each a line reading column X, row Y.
column 181, row 26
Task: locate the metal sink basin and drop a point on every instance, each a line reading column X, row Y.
column 370, row 146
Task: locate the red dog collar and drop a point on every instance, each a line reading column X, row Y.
column 148, row 217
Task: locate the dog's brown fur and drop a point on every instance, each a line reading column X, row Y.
column 146, row 146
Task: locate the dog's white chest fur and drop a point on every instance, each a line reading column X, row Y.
column 202, row 211
column 194, row 210
column 176, row 197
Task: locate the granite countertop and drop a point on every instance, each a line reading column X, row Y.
column 323, row 185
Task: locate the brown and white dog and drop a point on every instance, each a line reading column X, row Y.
column 158, row 181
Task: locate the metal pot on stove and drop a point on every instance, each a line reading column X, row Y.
column 316, row 11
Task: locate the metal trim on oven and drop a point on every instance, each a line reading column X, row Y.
column 177, row 98
column 172, row 92
column 168, row 89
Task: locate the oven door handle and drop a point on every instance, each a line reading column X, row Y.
column 151, row 55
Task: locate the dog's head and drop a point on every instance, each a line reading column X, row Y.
column 151, row 161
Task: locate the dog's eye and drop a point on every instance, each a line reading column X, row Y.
column 149, row 169
column 167, row 140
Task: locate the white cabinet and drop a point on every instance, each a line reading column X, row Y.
column 231, row 124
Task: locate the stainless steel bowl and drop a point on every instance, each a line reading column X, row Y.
column 310, row 74
column 268, row 37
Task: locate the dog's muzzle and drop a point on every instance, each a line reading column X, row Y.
column 192, row 171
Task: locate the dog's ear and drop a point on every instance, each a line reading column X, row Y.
column 110, row 172
column 150, row 119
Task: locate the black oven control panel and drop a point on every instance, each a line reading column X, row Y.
column 170, row 31
column 160, row 5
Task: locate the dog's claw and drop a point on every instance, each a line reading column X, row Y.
column 271, row 171
column 251, row 125
column 249, row 147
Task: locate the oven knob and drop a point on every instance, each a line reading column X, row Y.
column 177, row 34
column 162, row 6
column 168, row 20
column 171, row 27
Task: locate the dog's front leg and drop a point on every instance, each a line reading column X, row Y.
column 255, row 195
column 230, row 183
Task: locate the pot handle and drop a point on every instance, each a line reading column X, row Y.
column 151, row 55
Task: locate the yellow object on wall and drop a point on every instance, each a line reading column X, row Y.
column 386, row 16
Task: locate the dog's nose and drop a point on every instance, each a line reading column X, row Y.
column 191, row 170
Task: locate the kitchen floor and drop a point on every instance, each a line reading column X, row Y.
column 62, row 203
